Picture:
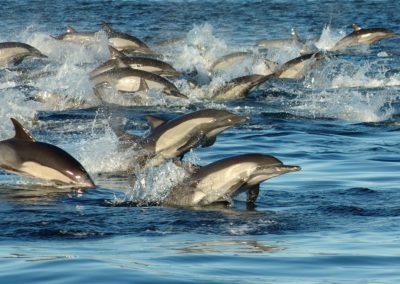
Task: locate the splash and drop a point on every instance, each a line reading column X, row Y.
column 329, row 38
column 351, row 105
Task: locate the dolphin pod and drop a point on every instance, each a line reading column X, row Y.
column 167, row 140
column 23, row 155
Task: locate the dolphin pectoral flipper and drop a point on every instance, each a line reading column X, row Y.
column 252, row 193
column 21, row 132
column 208, row 141
column 191, row 143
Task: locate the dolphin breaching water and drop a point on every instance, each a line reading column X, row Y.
column 297, row 68
column 173, row 138
column 224, row 179
column 15, row 52
column 120, row 60
column 23, row 155
column 124, row 42
column 361, row 36
column 72, row 35
column 127, row 79
column 239, row 88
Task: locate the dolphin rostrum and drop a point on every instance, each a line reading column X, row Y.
column 363, row 36
column 222, row 180
column 127, row 79
column 23, row 155
column 173, row 138
column 124, row 42
column 15, row 52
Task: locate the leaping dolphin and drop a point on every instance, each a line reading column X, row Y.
column 23, row 155
column 363, row 36
column 239, row 88
column 15, row 52
column 298, row 67
column 222, row 180
column 173, row 138
column 72, row 35
column 151, row 65
column 134, row 80
column 124, row 42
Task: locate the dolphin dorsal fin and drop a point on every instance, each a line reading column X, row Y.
column 119, row 63
column 20, row 132
column 106, row 27
column 154, row 121
column 115, row 53
column 356, row 27
column 294, row 34
column 70, row 30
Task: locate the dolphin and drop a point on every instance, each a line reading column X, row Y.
column 132, row 80
column 23, row 155
column 363, row 36
column 15, row 52
column 239, row 88
column 299, row 66
column 173, row 138
column 124, row 42
column 285, row 42
column 151, row 65
column 72, row 35
column 222, row 180
column 227, row 61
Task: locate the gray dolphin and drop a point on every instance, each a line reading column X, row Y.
column 363, row 36
column 15, row 52
column 152, row 65
column 171, row 139
column 297, row 68
column 239, row 88
column 227, row 61
column 223, row 179
column 132, row 80
column 22, row 155
column 124, row 42
column 72, row 35
column 285, row 42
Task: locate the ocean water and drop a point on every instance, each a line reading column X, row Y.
column 335, row 221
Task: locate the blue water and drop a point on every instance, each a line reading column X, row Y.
column 336, row 221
